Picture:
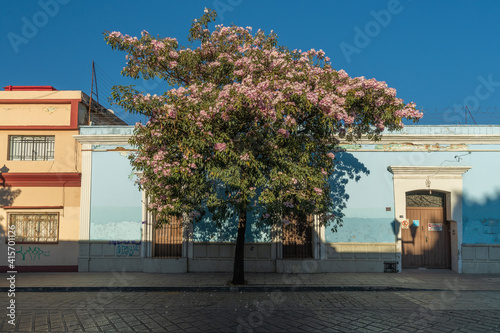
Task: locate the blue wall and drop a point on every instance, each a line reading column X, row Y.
column 366, row 219
column 481, row 201
column 369, row 191
column 362, row 188
column 206, row 231
column 116, row 208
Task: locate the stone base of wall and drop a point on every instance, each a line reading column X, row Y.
column 219, row 257
column 167, row 265
column 481, row 258
column 107, row 256
column 357, row 257
column 306, row 266
column 99, row 256
column 227, row 265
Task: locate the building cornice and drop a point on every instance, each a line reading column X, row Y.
column 430, row 139
column 110, row 139
column 401, row 171
column 386, row 139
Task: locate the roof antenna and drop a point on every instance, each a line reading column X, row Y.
column 94, row 78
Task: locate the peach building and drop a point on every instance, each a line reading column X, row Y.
column 40, row 174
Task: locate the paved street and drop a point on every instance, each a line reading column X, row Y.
column 256, row 311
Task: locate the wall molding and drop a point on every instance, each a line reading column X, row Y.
column 410, row 171
column 109, row 139
column 47, row 179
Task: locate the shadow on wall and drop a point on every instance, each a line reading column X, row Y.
column 347, row 168
column 7, row 195
column 481, row 220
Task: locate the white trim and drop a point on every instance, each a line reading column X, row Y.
column 442, row 178
column 478, row 139
column 85, row 193
column 386, row 139
column 85, row 197
column 118, row 139
column 445, row 171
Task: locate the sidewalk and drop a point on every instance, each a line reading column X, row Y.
column 417, row 280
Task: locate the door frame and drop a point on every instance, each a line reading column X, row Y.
column 445, row 232
column 447, row 179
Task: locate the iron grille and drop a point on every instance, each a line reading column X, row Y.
column 31, row 148
column 425, row 199
column 297, row 240
column 35, row 227
column 390, row 266
column 168, row 239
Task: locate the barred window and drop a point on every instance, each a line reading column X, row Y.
column 31, row 148
column 35, row 227
column 425, row 199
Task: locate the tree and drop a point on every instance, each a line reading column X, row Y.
column 248, row 127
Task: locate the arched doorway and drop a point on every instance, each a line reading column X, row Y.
column 426, row 238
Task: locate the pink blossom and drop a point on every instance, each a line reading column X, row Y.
column 244, row 157
column 331, row 155
column 284, row 132
column 172, row 64
column 115, row 34
column 318, row 191
column 220, row 146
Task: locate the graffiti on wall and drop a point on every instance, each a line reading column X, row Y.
column 34, row 253
column 124, row 242
column 123, row 250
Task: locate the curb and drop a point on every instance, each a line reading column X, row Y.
column 228, row 289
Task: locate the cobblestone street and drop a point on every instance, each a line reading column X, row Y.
column 249, row 311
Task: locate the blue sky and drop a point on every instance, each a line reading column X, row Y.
column 442, row 55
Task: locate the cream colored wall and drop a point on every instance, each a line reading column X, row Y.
column 66, row 251
column 36, row 114
column 67, row 156
column 41, row 95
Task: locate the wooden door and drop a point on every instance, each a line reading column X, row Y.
column 427, row 241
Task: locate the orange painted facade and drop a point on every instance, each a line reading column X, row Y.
column 34, row 189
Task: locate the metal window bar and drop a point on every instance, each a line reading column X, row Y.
column 297, row 240
column 31, row 148
column 168, row 239
column 35, row 228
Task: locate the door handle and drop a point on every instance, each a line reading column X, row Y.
column 426, row 239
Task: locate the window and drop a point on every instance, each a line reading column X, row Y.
column 35, row 227
column 31, row 148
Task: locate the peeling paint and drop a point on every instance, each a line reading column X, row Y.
column 420, row 147
column 490, row 225
column 352, row 146
column 117, row 149
column 50, row 109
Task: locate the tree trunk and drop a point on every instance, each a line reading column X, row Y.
column 239, row 255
